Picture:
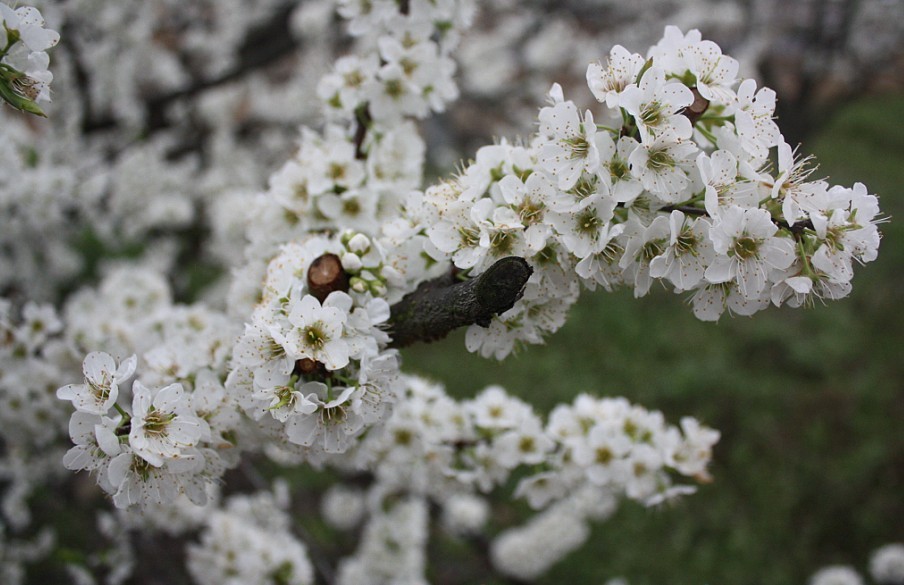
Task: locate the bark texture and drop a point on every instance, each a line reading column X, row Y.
column 440, row 305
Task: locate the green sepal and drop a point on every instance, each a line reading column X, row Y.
column 21, row 103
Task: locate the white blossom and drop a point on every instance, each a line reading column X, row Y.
column 101, row 388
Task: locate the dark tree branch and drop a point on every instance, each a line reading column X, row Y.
column 796, row 228
column 686, row 209
column 440, row 305
column 699, row 106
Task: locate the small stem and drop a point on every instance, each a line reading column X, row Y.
column 708, row 135
column 11, row 39
column 608, row 129
column 686, row 209
column 807, row 271
column 121, row 411
column 363, row 119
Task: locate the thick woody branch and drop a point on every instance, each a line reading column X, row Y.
column 440, row 305
column 437, row 306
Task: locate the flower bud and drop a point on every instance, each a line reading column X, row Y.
column 358, row 284
column 359, row 244
column 351, row 262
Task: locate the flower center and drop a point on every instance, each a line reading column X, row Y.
column 100, row 391
column 502, row 242
column 603, row 455
column 354, row 78
column 333, row 416
column 286, row 396
column 470, row 237
column 141, row 468
column 660, row 160
column 588, row 222
column 336, row 171
column 155, row 422
column 394, row 89
column 578, row 145
column 530, row 212
column 651, row 113
column 618, row 168
column 686, row 242
column 652, row 249
column 351, row 206
column 315, row 336
column 745, row 247
column 585, row 187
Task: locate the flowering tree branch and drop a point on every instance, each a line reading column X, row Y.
column 440, row 305
column 295, row 366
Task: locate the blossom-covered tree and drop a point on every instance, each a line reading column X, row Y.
column 676, row 174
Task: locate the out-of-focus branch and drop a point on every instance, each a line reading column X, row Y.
column 263, row 45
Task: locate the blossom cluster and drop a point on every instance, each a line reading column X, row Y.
column 24, row 77
column 315, row 370
column 392, row 547
column 670, row 181
column 168, row 432
column 144, row 454
column 410, row 73
column 433, row 444
column 578, row 465
column 528, row 551
column 354, row 174
column 249, row 541
column 31, row 359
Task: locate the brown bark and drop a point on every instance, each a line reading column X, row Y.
column 440, row 305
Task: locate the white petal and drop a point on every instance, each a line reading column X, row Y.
column 126, row 369
column 335, row 353
column 168, row 398
column 720, row 270
column 98, row 367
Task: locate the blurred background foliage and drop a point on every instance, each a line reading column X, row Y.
column 810, row 467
